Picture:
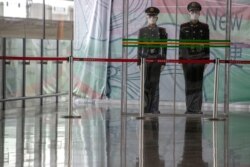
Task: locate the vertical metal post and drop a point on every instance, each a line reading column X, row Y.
column 216, row 89
column 70, row 103
column 41, row 77
column 24, row 73
column 227, row 56
column 44, row 20
column 175, row 55
column 57, row 70
column 4, row 77
column 124, row 55
column 71, row 73
column 70, row 108
column 142, row 84
column 216, row 82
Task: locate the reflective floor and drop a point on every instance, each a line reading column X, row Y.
column 41, row 137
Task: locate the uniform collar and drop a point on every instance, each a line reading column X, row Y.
column 194, row 24
column 152, row 26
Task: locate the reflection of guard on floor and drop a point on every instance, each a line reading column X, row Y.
column 150, row 145
column 192, row 151
column 193, row 73
column 152, row 70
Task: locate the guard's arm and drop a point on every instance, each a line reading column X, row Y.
column 207, row 49
column 181, row 36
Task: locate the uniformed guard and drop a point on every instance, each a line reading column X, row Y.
column 193, row 73
column 152, row 70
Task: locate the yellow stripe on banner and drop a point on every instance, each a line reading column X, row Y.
column 177, row 43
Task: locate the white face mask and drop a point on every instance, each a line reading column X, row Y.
column 152, row 20
column 194, row 16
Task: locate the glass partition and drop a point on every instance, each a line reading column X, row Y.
column 240, row 49
column 63, row 68
column 33, row 71
column 137, row 19
column 168, row 89
column 49, row 68
column 14, row 71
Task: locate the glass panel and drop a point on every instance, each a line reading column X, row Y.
column 167, row 20
column 239, row 80
column 215, row 17
column 49, row 69
column 92, row 39
column 138, row 27
column 63, row 69
column 240, row 49
column 14, row 71
column 33, row 71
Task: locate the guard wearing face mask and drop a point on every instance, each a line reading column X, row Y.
column 152, row 70
column 193, row 73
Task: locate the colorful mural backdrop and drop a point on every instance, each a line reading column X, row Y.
column 98, row 33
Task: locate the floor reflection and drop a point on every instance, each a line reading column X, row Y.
column 103, row 138
column 2, row 127
column 192, row 152
column 150, row 145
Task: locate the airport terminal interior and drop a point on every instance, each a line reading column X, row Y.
column 72, row 93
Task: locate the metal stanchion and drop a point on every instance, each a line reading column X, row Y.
column 142, row 83
column 216, row 84
column 70, row 108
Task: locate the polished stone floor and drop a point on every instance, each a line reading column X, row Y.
column 41, row 137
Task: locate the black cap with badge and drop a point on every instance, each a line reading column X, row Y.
column 194, row 6
column 152, row 11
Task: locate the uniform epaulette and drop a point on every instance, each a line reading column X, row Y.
column 143, row 28
column 185, row 24
column 204, row 24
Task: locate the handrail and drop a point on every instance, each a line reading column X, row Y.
column 31, row 97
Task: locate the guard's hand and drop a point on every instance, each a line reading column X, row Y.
column 162, row 68
column 139, row 66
